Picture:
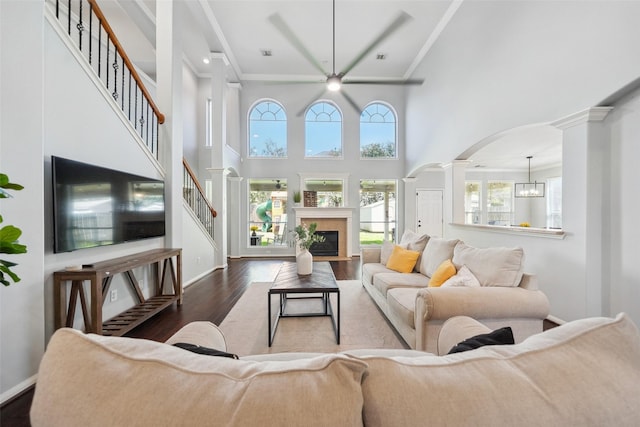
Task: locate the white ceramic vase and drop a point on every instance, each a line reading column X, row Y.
column 304, row 262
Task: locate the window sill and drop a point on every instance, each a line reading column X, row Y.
column 528, row 231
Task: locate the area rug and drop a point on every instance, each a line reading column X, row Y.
column 362, row 324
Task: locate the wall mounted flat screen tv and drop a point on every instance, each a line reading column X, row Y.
column 95, row 206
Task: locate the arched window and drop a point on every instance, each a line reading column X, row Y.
column 378, row 132
column 323, row 130
column 267, row 130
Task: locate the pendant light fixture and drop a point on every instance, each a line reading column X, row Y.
column 529, row 189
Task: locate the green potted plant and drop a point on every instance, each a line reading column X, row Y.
column 9, row 236
column 297, row 198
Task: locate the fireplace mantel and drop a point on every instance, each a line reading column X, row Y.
column 329, row 214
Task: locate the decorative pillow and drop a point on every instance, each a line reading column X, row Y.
column 204, row 350
column 402, row 260
column 464, row 277
column 414, row 242
column 385, row 251
column 442, row 274
column 491, row 266
column 436, row 251
column 498, row 337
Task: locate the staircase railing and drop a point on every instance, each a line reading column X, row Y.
column 195, row 197
column 93, row 36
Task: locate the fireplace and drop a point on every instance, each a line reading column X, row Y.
column 329, row 219
column 327, row 248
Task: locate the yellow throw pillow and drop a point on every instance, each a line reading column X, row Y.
column 402, row 260
column 444, row 271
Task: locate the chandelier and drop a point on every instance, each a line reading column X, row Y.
column 529, row 189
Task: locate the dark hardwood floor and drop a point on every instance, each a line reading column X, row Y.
column 210, row 298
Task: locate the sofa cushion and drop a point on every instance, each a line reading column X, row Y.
column 442, row 273
column 414, row 242
column 140, row 382
column 436, row 251
column 385, row 281
column 585, row 372
column 464, row 277
column 369, row 270
column 402, row 301
column 491, row 266
column 402, row 260
column 501, row 336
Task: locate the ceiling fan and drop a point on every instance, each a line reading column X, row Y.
column 334, row 81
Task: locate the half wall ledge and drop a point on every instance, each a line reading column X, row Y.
column 549, row 233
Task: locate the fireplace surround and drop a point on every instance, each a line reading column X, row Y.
column 330, row 219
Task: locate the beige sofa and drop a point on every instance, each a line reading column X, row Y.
column 504, row 295
column 583, row 373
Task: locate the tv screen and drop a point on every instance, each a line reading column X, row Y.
column 95, row 206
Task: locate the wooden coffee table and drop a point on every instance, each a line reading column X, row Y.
column 321, row 282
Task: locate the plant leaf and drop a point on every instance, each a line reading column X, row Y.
column 12, row 248
column 11, row 274
column 9, row 233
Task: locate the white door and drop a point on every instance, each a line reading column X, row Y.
column 429, row 212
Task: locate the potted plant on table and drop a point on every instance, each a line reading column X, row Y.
column 306, row 236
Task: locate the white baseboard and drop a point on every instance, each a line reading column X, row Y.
column 19, row 388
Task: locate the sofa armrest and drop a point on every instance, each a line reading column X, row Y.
column 481, row 303
column 529, row 282
column 202, row 333
column 456, row 330
column 370, row 255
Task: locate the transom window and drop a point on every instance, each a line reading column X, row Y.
column 378, row 132
column 267, row 130
column 323, row 131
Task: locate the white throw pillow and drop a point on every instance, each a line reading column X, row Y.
column 435, row 253
column 464, row 277
column 492, row 266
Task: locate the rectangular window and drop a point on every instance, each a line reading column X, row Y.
column 472, row 202
column 329, row 192
column 267, row 212
column 554, row 202
column 377, row 211
column 500, row 206
column 208, row 120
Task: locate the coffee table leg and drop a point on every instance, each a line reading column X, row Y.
column 338, row 332
column 269, row 311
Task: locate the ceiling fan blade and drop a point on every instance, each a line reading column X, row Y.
column 384, row 82
column 351, row 101
column 395, row 24
column 301, row 112
column 286, row 31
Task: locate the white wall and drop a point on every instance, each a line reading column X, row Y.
column 500, row 65
column 49, row 106
column 623, row 129
column 294, row 99
column 21, row 146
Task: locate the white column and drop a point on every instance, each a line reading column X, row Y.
column 219, row 200
column 585, row 156
column 218, row 111
column 458, row 175
column 169, row 94
column 237, row 239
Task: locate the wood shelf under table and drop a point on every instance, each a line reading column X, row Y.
column 100, row 275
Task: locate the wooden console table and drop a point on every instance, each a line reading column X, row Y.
column 100, row 276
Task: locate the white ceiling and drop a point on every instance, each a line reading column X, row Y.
column 241, row 29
